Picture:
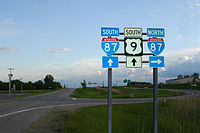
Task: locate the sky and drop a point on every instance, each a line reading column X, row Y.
column 62, row 38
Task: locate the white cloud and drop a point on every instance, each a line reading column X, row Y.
column 8, row 48
column 193, row 14
column 179, row 37
column 63, row 50
column 152, row 15
column 7, row 21
column 197, row 4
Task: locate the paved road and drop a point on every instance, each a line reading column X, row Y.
column 17, row 115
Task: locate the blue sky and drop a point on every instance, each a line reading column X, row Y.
column 62, row 37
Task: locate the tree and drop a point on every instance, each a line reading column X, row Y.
column 83, row 84
column 195, row 75
column 180, row 76
column 39, row 85
column 186, row 76
column 48, row 81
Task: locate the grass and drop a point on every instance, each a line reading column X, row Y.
column 181, row 116
column 121, row 92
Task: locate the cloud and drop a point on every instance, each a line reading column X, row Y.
column 152, row 15
column 197, row 4
column 7, row 21
column 63, row 50
column 193, row 14
column 182, row 62
column 179, row 37
column 6, row 48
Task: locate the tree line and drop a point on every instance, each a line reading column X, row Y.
column 48, row 83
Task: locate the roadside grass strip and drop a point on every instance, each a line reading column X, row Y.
column 121, row 92
column 182, row 116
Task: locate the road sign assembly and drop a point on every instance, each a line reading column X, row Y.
column 110, row 45
column 110, row 62
column 133, row 50
column 155, row 32
column 133, row 32
column 133, row 61
column 107, row 31
column 156, row 61
column 156, row 45
column 133, row 46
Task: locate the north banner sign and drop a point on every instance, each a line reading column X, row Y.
column 106, row 31
column 110, row 62
column 156, row 61
column 110, row 45
column 156, row 45
column 155, row 32
column 133, row 32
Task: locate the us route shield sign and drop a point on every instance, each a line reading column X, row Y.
column 110, row 45
column 133, row 46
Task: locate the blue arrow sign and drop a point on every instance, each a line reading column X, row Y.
column 110, row 62
column 109, row 31
column 110, row 47
column 155, row 32
column 156, row 45
column 156, row 61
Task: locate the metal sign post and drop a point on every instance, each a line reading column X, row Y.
column 155, row 100
column 109, row 100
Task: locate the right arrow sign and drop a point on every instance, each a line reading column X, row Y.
column 156, row 61
column 133, row 61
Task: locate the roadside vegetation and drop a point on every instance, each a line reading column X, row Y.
column 181, row 116
column 121, row 92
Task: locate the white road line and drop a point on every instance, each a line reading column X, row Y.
column 42, row 107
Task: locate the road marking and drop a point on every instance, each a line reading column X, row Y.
column 42, row 107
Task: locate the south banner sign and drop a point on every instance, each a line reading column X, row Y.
column 107, row 31
column 110, row 45
column 156, row 45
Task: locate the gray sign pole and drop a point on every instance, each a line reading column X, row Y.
column 155, row 100
column 109, row 100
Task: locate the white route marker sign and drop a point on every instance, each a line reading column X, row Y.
column 133, row 61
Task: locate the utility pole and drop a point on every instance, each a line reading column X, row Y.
column 10, row 76
column 155, row 100
column 21, row 85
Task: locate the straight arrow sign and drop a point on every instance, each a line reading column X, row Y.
column 110, row 62
column 134, row 61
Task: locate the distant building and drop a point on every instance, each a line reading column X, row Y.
column 182, row 80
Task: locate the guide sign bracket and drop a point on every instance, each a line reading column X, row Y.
column 125, row 62
column 134, row 55
column 122, row 33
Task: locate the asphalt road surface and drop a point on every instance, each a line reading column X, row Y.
column 18, row 114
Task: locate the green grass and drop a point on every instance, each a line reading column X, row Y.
column 121, row 92
column 174, row 117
